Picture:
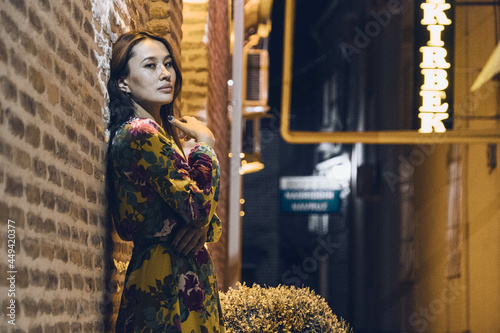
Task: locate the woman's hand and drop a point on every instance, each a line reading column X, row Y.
column 192, row 128
column 190, row 239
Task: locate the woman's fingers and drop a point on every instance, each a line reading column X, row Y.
column 185, row 124
column 186, row 239
column 200, row 244
column 192, row 128
column 201, row 241
column 186, row 243
column 189, row 239
column 178, row 237
column 183, row 136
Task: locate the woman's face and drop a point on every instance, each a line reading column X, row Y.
column 151, row 78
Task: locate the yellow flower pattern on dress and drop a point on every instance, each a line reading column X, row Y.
column 157, row 192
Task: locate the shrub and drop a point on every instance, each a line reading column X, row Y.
column 280, row 309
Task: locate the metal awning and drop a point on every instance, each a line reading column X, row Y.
column 491, row 69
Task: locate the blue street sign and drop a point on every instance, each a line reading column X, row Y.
column 311, row 194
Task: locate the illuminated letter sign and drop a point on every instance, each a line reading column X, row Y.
column 434, row 42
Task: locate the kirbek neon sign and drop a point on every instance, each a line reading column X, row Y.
column 433, row 109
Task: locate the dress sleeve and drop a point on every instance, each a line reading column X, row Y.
column 214, row 229
column 190, row 187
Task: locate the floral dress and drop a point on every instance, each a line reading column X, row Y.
column 157, row 192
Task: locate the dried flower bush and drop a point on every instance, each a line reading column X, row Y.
column 280, row 309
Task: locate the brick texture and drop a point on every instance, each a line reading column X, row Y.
column 52, row 160
column 53, row 147
column 218, row 74
column 194, row 59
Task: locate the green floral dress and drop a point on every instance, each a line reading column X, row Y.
column 157, row 192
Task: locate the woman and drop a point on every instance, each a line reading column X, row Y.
column 158, row 199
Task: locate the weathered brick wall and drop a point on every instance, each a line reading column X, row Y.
column 194, row 58
column 166, row 18
column 52, row 159
column 217, row 96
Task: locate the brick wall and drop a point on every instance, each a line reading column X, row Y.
column 217, row 100
column 166, row 20
column 194, row 58
column 52, row 150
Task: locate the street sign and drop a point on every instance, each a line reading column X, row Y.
column 309, row 194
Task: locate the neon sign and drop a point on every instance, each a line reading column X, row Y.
column 433, row 109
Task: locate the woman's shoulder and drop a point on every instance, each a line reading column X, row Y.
column 141, row 126
column 138, row 127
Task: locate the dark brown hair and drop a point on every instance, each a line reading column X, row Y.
column 120, row 104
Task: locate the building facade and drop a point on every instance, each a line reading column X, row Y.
column 420, row 236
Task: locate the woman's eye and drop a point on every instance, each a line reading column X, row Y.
column 168, row 64
column 150, row 66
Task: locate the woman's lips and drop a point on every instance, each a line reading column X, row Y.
column 166, row 88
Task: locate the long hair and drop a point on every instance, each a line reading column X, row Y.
column 121, row 107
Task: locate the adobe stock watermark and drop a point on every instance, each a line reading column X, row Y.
column 421, row 318
column 421, row 152
column 374, row 27
column 407, row 165
column 298, row 273
column 11, row 272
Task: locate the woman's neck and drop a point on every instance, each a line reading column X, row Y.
column 152, row 114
